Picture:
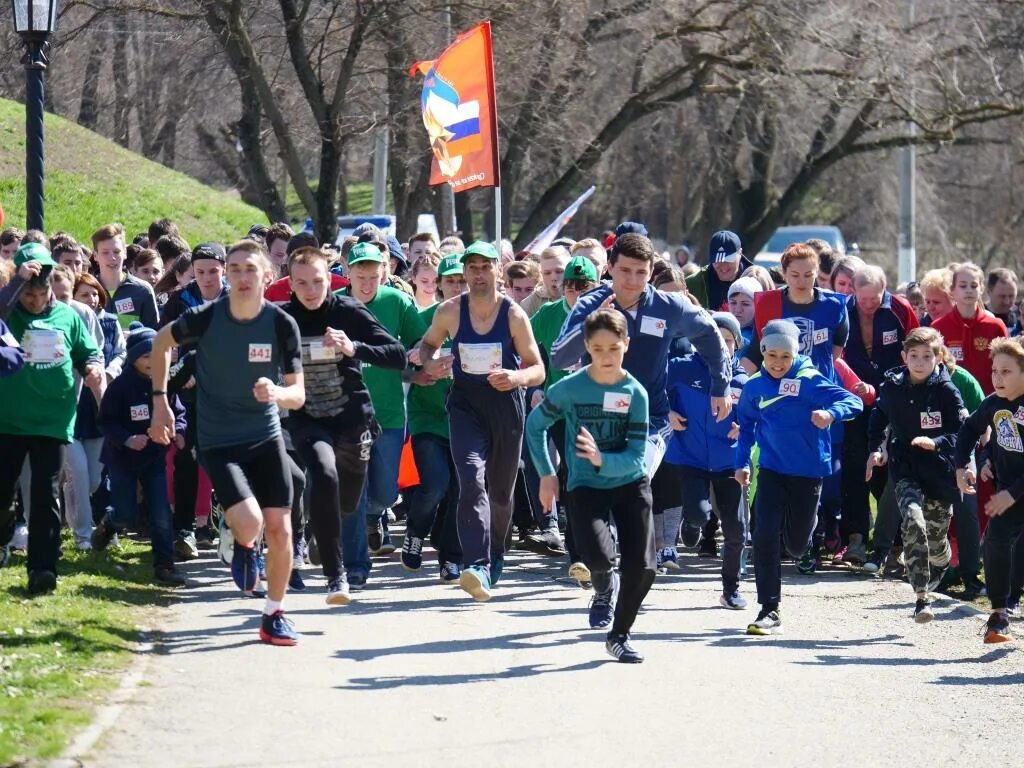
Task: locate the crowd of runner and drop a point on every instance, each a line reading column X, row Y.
column 598, row 402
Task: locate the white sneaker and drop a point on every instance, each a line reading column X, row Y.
column 226, row 545
column 767, row 623
column 580, row 572
column 83, row 544
column 19, row 541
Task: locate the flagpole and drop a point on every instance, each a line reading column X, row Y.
column 497, row 218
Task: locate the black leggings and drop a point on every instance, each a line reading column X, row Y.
column 592, row 511
column 1003, row 539
column 337, row 468
column 786, row 511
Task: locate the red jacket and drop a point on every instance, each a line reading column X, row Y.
column 281, row 290
column 969, row 339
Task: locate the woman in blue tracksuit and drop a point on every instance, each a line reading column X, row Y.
column 701, row 456
column 786, row 408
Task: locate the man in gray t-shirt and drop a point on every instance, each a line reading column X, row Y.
column 244, row 347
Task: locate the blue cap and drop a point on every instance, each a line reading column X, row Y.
column 630, row 228
column 724, row 246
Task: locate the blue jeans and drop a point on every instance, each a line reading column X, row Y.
column 123, row 499
column 380, row 490
column 437, row 479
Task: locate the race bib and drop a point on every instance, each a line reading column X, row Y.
column 317, row 351
column 890, row 337
column 617, row 402
column 931, row 419
column 124, row 306
column 1019, row 415
column 480, row 358
column 43, row 346
column 260, row 353
column 652, row 326
column 820, row 336
column 140, row 412
column 957, row 352
column 789, row 387
column 444, row 352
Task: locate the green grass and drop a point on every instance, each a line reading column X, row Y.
column 60, row 654
column 92, row 181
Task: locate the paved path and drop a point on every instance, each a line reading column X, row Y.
column 414, row 673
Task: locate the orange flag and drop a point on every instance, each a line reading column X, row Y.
column 460, row 111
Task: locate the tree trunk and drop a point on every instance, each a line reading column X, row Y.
column 87, row 113
column 122, row 96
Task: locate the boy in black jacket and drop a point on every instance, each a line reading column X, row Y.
column 132, row 459
column 1003, row 411
column 924, row 412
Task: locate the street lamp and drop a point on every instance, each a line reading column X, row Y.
column 34, row 21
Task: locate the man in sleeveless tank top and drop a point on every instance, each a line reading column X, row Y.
column 494, row 358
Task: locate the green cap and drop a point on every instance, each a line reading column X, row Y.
column 481, row 248
column 365, row 252
column 33, row 252
column 451, row 265
column 580, row 268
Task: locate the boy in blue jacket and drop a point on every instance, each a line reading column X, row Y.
column 786, row 408
column 701, row 456
column 924, row 412
column 132, row 459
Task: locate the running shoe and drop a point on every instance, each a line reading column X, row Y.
column 205, row 540
column 166, row 576
column 226, row 543
column 808, row 561
column 734, row 601
column 83, row 543
column 856, row 550
column 973, row 588
column 618, row 648
column 839, row 556
column 692, row 534
column 602, row 604
column 374, row 536
column 295, row 582
column 245, row 568
column 313, row 552
column 450, row 573
column 476, row 580
column 580, row 572
column 670, row 559
column 923, row 612
column 356, row 580
column 338, row 592
column 997, row 629
column 412, row 552
column 497, row 568
column 19, row 541
column 277, row 629
column 768, row 622
column 875, row 563
column 185, row 546
column 708, row 547
column 103, row 535
column 41, row 582
column 1012, row 611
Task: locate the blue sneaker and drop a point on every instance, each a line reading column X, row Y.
column 670, row 559
column 356, row 580
column 261, row 563
column 476, row 580
column 450, row 573
column 602, row 604
column 277, row 629
column 497, row 568
column 295, row 582
column 734, row 601
column 245, row 568
column 412, row 552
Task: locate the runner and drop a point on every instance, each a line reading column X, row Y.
column 655, row 319
column 605, row 412
column 490, row 337
column 244, row 345
column 130, row 298
column 335, row 428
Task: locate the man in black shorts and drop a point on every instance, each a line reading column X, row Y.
column 244, row 346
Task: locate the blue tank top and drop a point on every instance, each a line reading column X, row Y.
column 476, row 355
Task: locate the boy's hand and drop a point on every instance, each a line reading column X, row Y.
column 734, row 432
column 876, row 459
column 339, row 340
column 137, row 442
column 548, row 492
column 586, row 447
column 822, row 419
column 743, row 476
column 861, row 389
column 986, row 474
column 721, row 407
column 965, row 480
column 998, row 504
column 504, row 380
column 264, row 390
column 924, row 443
column 677, row 421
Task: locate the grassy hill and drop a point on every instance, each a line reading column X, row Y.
column 91, row 181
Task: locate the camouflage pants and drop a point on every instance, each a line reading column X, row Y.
column 925, row 524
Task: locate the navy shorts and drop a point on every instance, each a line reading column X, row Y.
column 257, row 471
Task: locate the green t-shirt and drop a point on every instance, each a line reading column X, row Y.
column 427, row 411
column 397, row 312
column 969, row 388
column 41, row 398
column 616, row 415
column 547, row 323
